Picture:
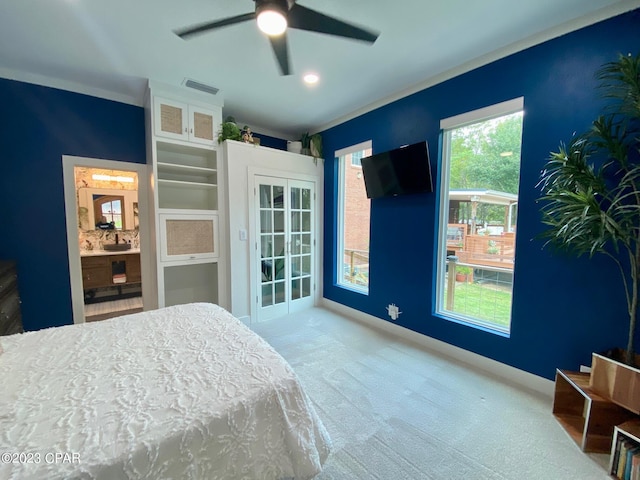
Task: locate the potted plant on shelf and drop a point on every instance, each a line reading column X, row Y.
column 229, row 130
column 311, row 145
column 315, row 146
column 591, row 205
column 305, row 140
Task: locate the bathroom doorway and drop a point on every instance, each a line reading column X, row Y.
column 108, row 238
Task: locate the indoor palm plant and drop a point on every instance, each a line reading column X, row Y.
column 591, row 186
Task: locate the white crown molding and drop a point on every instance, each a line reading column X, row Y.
column 75, row 87
column 567, row 27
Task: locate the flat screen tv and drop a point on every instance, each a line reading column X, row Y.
column 402, row 171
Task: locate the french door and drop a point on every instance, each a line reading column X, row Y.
column 285, row 245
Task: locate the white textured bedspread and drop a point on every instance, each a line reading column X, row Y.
column 185, row 392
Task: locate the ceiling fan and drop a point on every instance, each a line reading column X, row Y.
column 273, row 18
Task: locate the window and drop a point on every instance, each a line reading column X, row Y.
column 353, row 219
column 477, row 220
column 108, row 209
column 356, row 158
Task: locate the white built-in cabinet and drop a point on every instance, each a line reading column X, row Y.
column 188, row 196
column 182, row 121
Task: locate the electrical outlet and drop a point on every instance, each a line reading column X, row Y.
column 393, row 311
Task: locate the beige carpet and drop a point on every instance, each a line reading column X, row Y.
column 395, row 411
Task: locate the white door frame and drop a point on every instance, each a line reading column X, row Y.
column 252, row 172
column 73, row 247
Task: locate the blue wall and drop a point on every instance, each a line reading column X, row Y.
column 563, row 308
column 37, row 127
column 271, row 142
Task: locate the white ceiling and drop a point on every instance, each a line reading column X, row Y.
column 109, row 48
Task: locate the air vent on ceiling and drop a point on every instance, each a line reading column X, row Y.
column 200, row 86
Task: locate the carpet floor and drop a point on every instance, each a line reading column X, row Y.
column 397, row 411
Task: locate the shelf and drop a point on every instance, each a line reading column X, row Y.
column 181, row 169
column 193, row 282
column 631, row 429
column 185, row 183
column 587, row 417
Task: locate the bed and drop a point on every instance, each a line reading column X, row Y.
column 184, row 392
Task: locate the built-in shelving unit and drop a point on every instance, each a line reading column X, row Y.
column 188, row 197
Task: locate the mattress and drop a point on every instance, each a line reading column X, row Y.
column 184, row 392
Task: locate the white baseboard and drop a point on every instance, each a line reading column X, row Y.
column 508, row 373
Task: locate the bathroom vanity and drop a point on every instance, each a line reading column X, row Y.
column 102, row 268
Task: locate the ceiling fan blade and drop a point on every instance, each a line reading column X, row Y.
column 304, row 18
column 281, row 50
column 205, row 27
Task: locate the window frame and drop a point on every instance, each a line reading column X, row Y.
column 338, row 266
column 446, row 126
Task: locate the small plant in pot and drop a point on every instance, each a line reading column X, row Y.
column 591, row 186
column 312, row 145
column 229, row 130
column 463, row 273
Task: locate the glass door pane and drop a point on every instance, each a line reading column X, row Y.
column 285, row 221
column 300, row 214
column 272, row 244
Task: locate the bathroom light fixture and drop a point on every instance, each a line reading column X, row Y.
column 109, row 178
column 271, row 19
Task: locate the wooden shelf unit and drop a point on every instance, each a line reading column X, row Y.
column 587, row 417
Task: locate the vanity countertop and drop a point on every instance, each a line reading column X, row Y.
column 98, row 252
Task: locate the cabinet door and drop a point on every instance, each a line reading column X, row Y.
column 96, row 277
column 133, row 268
column 185, row 237
column 171, row 119
column 202, row 125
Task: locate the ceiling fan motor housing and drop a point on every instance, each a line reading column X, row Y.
column 283, row 6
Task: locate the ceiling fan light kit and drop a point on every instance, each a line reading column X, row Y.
column 275, row 16
column 271, row 17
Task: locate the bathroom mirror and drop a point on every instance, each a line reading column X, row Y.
column 119, row 207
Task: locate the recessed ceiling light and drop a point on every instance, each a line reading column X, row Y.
column 311, row 78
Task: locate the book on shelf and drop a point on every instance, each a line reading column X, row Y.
column 625, row 446
column 635, row 467
column 626, row 459
column 631, row 452
column 616, row 455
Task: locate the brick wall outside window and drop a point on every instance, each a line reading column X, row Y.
column 357, row 211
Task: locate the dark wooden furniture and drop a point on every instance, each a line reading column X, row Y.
column 587, row 417
column 10, row 315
